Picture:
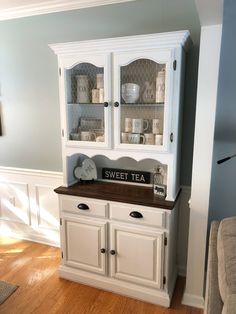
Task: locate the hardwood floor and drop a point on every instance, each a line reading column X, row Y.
column 33, row 267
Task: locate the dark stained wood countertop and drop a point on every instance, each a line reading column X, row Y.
column 116, row 192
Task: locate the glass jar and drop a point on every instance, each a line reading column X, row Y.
column 158, row 187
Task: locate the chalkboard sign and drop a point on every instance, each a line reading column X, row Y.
column 134, row 176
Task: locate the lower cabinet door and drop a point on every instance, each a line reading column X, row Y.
column 137, row 255
column 84, row 244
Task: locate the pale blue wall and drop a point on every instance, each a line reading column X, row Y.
column 223, row 182
column 28, row 73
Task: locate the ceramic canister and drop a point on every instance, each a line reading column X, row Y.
column 160, row 86
column 82, row 89
column 100, row 80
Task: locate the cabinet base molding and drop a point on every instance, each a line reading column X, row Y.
column 130, row 290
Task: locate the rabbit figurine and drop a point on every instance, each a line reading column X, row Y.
column 149, row 92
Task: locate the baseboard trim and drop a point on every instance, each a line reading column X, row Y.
column 193, row 300
column 31, row 237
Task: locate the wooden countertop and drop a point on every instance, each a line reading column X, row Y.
column 117, row 192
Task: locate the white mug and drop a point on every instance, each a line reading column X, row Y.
column 149, row 138
column 128, row 125
column 100, row 138
column 135, row 138
column 88, row 136
column 158, row 139
column 124, row 137
column 156, row 126
column 75, row 136
column 138, row 125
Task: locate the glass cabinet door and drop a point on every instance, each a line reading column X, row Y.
column 142, row 99
column 87, row 103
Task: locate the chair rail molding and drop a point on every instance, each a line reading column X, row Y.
column 45, row 7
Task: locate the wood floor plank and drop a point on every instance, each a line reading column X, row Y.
column 34, row 268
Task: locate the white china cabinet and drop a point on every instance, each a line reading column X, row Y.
column 114, row 104
column 121, row 98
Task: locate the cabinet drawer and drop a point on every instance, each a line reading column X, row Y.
column 84, row 206
column 138, row 215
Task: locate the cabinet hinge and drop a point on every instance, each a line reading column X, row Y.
column 171, row 137
column 62, row 132
column 164, row 280
column 61, row 221
column 60, row 71
column 174, row 65
column 165, row 241
column 61, row 254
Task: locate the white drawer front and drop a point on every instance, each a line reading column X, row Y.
column 150, row 217
column 84, row 206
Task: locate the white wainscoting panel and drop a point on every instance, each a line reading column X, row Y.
column 47, row 207
column 28, row 205
column 14, row 202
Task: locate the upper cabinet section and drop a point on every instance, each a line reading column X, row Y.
column 85, row 100
column 121, row 93
column 142, row 93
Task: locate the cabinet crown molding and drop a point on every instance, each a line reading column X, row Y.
column 155, row 40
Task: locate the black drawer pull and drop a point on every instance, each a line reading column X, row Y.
column 83, row 206
column 116, row 104
column 103, row 250
column 136, row 215
column 112, row 252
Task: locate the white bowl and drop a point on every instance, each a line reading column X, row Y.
column 130, row 92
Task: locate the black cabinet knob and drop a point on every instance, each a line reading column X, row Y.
column 136, row 214
column 103, row 250
column 105, row 104
column 112, row 252
column 83, row 206
column 116, row 104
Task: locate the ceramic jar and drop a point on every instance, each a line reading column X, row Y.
column 82, row 89
column 160, row 86
column 100, row 80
